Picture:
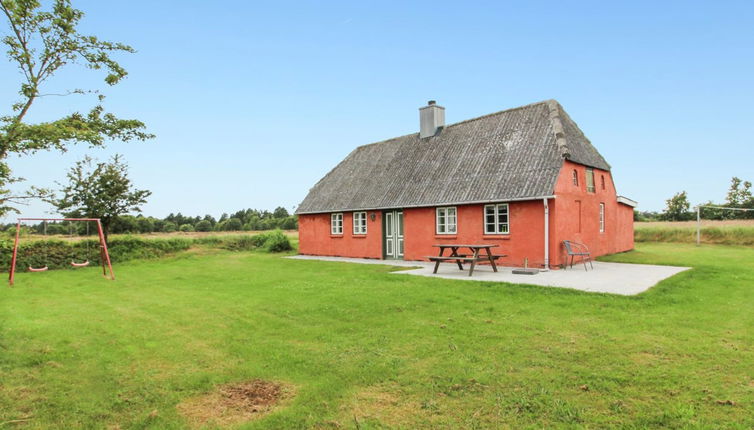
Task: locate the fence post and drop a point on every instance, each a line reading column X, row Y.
column 698, row 225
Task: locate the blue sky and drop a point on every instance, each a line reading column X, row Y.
column 253, row 102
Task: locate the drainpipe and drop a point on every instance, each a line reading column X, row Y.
column 547, row 234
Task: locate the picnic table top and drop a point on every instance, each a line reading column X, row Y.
column 460, row 245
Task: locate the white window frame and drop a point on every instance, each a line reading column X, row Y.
column 359, row 223
column 446, row 227
column 590, row 188
column 498, row 227
column 602, row 217
column 336, row 223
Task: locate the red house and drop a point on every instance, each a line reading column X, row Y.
column 525, row 179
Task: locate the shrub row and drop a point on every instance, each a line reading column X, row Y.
column 58, row 254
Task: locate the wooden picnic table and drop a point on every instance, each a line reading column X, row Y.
column 475, row 257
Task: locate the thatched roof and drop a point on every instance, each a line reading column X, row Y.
column 514, row 154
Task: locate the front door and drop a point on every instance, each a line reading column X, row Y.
column 392, row 233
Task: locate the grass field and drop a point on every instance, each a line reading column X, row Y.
column 733, row 232
column 361, row 348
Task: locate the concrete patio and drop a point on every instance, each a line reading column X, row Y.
column 613, row 278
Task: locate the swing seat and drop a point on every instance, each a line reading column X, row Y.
column 37, row 269
column 84, row 264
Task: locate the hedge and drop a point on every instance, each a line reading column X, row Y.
column 58, row 254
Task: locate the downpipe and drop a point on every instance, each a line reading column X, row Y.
column 547, row 235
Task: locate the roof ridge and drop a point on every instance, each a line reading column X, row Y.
column 557, row 127
column 499, row 112
column 470, row 120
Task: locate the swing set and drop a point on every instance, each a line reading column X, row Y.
column 104, row 255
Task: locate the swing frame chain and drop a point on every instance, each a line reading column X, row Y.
column 86, row 253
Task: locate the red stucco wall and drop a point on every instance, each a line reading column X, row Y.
column 315, row 238
column 583, row 227
column 526, row 237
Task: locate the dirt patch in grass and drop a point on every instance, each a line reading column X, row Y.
column 233, row 404
column 381, row 405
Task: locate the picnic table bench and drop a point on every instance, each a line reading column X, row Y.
column 473, row 258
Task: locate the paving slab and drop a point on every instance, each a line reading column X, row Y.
column 614, row 278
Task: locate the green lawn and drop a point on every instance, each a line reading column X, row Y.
column 366, row 349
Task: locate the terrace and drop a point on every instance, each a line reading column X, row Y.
column 614, row 278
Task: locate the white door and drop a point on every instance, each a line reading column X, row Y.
column 392, row 222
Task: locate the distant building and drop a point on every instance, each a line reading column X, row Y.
column 525, row 179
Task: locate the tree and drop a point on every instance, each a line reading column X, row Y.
column 233, row 224
column 41, row 43
column 210, row 219
column 290, row 223
column 280, row 212
column 677, row 208
column 203, row 225
column 146, row 224
column 644, row 216
column 739, row 196
column 101, row 191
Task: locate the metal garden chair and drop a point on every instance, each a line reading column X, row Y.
column 575, row 249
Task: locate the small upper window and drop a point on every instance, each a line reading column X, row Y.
column 496, row 220
column 602, row 181
column 602, row 217
column 589, row 180
column 575, row 177
column 336, row 223
column 447, row 220
column 359, row 223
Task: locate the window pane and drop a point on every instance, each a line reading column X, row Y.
column 590, row 180
column 359, row 223
column 446, row 219
column 334, row 224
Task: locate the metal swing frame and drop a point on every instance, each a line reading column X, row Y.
column 107, row 266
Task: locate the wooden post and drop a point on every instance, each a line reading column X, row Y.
column 103, row 252
column 698, row 225
column 15, row 255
